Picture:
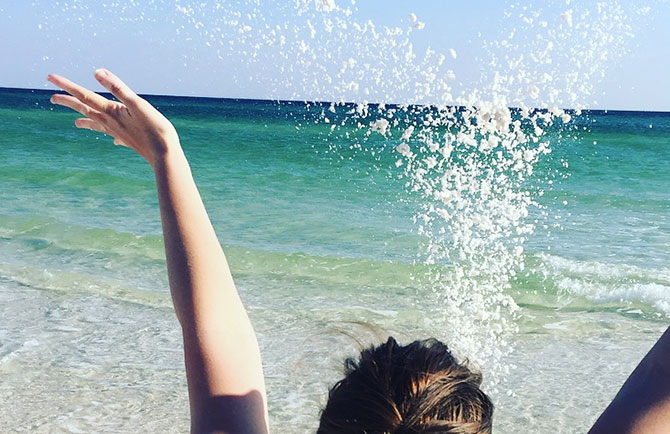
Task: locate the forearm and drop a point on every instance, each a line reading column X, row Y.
column 217, row 332
column 642, row 405
column 197, row 266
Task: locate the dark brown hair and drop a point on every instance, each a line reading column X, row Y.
column 413, row 389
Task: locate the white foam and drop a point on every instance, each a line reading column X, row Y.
column 325, row 5
column 381, row 126
column 652, row 294
column 408, row 133
column 589, row 270
column 567, row 17
column 472, row 180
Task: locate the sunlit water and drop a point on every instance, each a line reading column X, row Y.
column 321, row 247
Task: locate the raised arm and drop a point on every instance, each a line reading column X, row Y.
column 642, row 405
column 223, row 362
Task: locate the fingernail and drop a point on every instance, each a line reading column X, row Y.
column 102, row 73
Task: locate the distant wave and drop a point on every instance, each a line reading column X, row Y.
column 603, row 283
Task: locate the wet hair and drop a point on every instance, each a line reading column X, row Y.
column 412, row 389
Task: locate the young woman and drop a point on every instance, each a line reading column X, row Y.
column 417, row 388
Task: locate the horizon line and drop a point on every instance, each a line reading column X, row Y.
column 316, row 102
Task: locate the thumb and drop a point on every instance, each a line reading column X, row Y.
column 120, row 142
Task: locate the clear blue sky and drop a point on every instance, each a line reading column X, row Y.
column 144, row 42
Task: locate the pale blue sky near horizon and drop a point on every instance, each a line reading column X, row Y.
column 75, row 37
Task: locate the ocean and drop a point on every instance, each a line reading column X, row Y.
column 323, row 245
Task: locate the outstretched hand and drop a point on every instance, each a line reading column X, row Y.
column 131, row 120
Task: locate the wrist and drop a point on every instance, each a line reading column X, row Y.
column 170, row 154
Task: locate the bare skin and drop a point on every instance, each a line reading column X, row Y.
column 223, row 362
column 642, row 405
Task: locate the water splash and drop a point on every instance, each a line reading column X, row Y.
column 469, row 157
column 466, row 157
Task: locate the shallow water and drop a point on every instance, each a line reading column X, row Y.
column 318, row 244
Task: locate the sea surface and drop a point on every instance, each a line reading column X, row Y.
column 324, row 250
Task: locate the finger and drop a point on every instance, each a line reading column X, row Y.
column 117, row 87
column 90, row 124
column 120, row 142
column 84, row 95
column 71, row 102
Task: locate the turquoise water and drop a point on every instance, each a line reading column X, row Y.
column 320, row 239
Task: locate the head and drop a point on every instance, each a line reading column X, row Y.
column 412, row 389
